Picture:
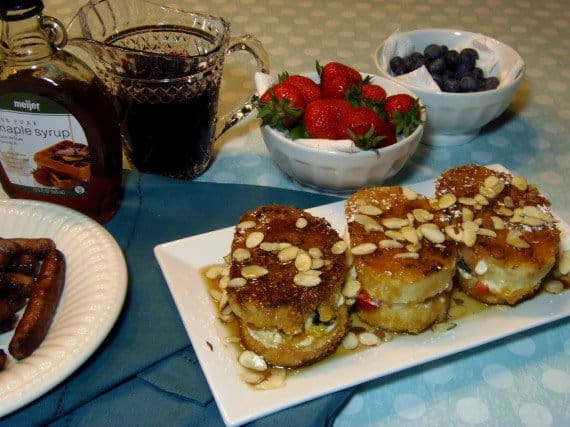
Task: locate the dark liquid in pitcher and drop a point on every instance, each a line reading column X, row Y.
column 170, row 126
column 172, row 139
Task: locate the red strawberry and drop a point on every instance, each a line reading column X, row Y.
column 309, row 89
column 366, row 128
column 281, row 106
column 322, row 117
column 373, row 92
column 403, row 111
column 365, row 301
column 368, row 94
column 337, row 78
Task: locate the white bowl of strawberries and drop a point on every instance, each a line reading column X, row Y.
column 336, row 129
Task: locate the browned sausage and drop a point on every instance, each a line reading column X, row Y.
column 42, row 306
column 5, row 261
column 25, row 263
column 7, row 312
column 8, row 247
column 37, row 246
column 16, row 283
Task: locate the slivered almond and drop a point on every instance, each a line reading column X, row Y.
column 520, row 183
column 491, row 181
column 469, row 237
column 508, row 202
column 481, row 200
column 306, row 280
column 288, row 254
column 504, row 211
column 339, row 247
column 407, row 255
column 486, row 232
column 533, row 212
column 303, row 261
column 351, row 288
column 301, row 222
column 241, row 254
column 245, row 225
column 269, row 246
column 317, row 263
column 469, row 201
column 422, row 215
column 394, row 223
column 514, row 239
column 410, row 234
column 467, row 214
column 249, row 359
column 369, row 223
column 364, row 249
column 498, row 222
column 315, row 252
column 554, row 286
column 214, row 272
column 390, row 244
column 414, row 247
column 532, row 222
column 237, row 282
column 456, row 235
column 395, row 235
column 253, row 271
column 432, row 233
column 447, row 200
column 409, row 194
column 350, row 341
column 254, row 239
column 370, row 210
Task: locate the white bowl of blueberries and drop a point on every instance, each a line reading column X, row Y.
column 465, row 79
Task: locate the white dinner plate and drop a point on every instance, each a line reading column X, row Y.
column 94, row 292
column 181, row 262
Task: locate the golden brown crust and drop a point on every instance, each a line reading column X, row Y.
column 408, row 318
column 306, row 348
column 511, row 270
column 274, row 300
column 382, row 273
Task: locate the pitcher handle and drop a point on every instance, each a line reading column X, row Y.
column 253, row 46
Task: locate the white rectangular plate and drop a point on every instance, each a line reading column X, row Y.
column 181, row 262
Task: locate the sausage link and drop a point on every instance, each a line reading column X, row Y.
column 41, row 308
column 26, row 263
column 16, row 283
column 37, row 246
column 9, row 247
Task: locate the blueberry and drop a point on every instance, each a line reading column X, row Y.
column 433, row 51
column 450, row 84
column 396, row 62
column 461, row 70
column 491, row 83
column 401, row 69
column 467, row 60
column 468, row 84
column 437, row 66
column 470, row 52
column 414, row 61
column 452, row 59
column 477, row 73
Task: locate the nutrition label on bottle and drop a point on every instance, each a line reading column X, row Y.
column 42, row 147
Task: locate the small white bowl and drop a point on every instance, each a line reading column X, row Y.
column 336, row 171
column 457, row 118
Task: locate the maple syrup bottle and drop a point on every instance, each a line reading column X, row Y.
column 59, row 130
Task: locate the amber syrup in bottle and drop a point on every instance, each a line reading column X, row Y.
column 60, row 139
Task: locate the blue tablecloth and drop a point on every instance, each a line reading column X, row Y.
column 146, row 373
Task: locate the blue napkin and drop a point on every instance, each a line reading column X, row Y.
column 145, row 372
